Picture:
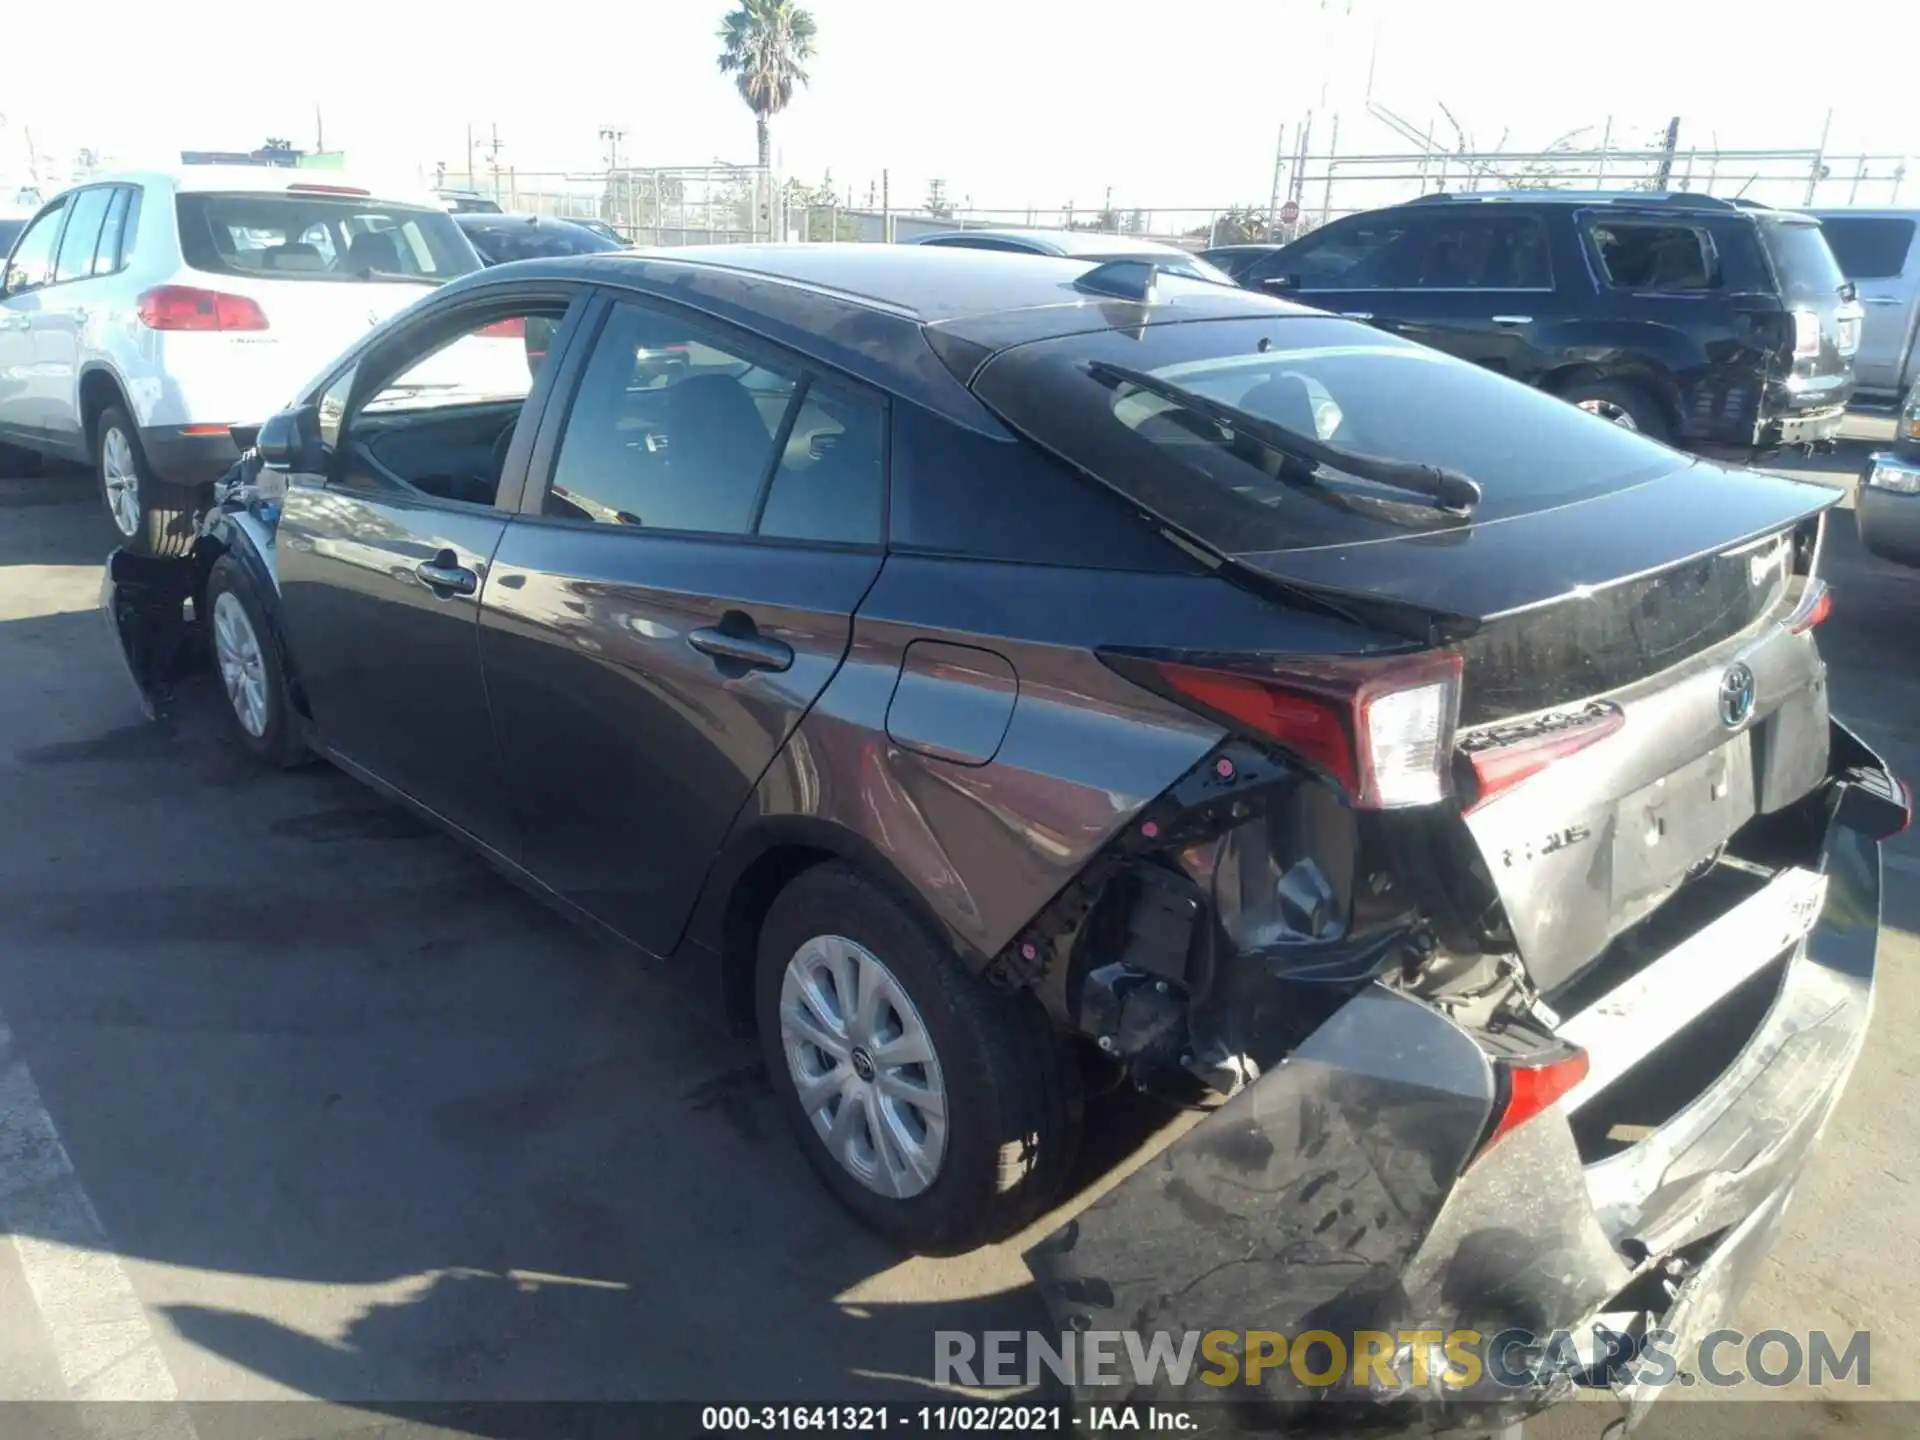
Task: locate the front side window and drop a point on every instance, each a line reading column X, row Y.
column 31, row 264
column 1869, row 247
column 115, row 235
column 671, row 430
column 443, row 420
column 1637, row 255
column 82, row 235
column 299, row 236
column 1349, row 255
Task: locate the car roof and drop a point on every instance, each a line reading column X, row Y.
column 1065, row 242
column 871, row 310
column 263, row 180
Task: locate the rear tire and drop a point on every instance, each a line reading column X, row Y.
column 938, row 1179
column 152, row 516
column 253, row 678
column 1625, row 405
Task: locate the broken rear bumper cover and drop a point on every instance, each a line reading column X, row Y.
column 1351, row 1189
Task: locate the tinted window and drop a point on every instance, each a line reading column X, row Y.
column 82, row 236
column 106, row 255
column 1868, row 247
column 320, row 237
column 1344, row 256
column 10, row 232
column 1347, row 384
column 32, row 259
column 1809, row 275
column 498, row 243
column 831, row 484
column 668, row 430
column 1651, row 256
column 1488, row 251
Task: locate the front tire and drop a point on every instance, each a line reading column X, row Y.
column 246, row 654
column 152, row 516
column 943, row 1113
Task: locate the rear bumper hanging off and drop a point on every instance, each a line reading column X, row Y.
column 1348, row 1190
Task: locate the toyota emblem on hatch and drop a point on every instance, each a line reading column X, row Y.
column 1736, row 696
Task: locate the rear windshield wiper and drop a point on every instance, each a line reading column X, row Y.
column 1451, row 491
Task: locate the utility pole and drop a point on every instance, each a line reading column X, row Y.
column 613, row 137
column 1273, row 199
column 493, row 159
column 319, row 131
column 886, row 207
column 1819, row 170
column 470, row 177
column 1663, row 176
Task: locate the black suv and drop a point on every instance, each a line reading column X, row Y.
column 1698, row 320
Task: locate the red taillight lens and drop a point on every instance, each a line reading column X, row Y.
column 1815, row 606
column 1381, row 729
column 1531, row 1088
column 514, row 327
column 183, row 307
column 1503, row 756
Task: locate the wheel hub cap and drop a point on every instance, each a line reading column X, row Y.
column 863, row 1066
column 243, row 669
column 121, row 478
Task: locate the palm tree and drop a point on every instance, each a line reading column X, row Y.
column 765, row 42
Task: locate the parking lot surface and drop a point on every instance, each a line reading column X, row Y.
column 298, row 1099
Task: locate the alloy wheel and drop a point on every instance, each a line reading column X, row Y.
column 243, row 668
column 121, row 476
column 864, row 1066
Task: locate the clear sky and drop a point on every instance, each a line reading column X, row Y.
column 1013, row 102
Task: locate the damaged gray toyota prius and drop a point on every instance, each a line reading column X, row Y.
column 986, row 671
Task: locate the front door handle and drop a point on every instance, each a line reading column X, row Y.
column 1357, row 314
column 1513, row 319
column 1883, row 300
column 742, row 644
column 445, row 578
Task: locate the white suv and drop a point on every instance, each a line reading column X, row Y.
column 142, row 315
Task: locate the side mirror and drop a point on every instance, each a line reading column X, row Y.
column 290, row 442
column 1281, row 282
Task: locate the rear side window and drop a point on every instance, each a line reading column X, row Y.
column 319, row 237
column 116, row 235
column 1488, row 251
column 1869, row 247
column 1344, row 384
column 1808, row 273
column 1349, row 255
column 82, row 237
column 1636, row 255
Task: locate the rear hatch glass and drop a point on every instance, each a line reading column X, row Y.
column 1344, row 384
column 319, row 237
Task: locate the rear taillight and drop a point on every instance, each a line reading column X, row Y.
column 514, row 327
column 183, row 307
column 1381, row 729
column 1501, row 756
column 1806, row 334
column 1529, row 1087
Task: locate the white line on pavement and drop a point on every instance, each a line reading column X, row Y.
column 104, row 1346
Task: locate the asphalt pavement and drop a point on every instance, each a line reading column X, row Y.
column 298, row 1099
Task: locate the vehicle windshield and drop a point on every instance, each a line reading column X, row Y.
column 1351, row 387
column 1809, row 275
column 499, row 243
column 320, row 237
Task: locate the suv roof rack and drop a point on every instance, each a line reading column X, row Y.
column 1674, row 199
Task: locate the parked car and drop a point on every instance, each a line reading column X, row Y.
column 500, row 238
column 1238, row 260
column 965, row 666
column 1879, row 251
column 603, row 230
column 1695, row 320
column 1080, row 245
column 1887, row 507
column 466, row 202
column 142, row 315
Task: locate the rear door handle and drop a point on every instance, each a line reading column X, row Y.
column 444, row 578
column 742, row 645
column 1882, row 300
column 1513, row 319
